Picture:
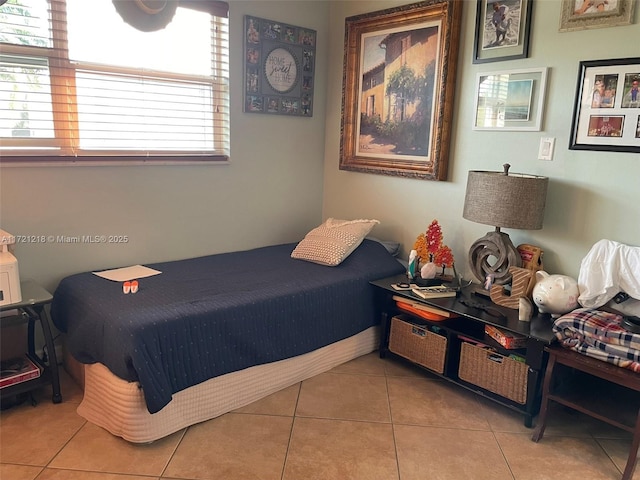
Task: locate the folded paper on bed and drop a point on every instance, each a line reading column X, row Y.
column 128, row 273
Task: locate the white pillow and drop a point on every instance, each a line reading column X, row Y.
column 333, row 241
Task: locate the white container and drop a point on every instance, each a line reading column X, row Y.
column 9, row 275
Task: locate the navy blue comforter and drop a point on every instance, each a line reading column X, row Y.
column 212, row 315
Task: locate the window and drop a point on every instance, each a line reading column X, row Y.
column 77, row 82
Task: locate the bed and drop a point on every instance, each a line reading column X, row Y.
column 215, row 333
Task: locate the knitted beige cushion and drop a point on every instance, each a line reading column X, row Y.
column 333, row 241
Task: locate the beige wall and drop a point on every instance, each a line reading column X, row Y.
column 592, row 195
column 270, row 193
column 273, row 189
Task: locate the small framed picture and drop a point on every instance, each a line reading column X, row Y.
column 584, row 14
column 510, row 99
column 502, row 30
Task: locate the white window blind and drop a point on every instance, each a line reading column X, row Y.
column 77, row 81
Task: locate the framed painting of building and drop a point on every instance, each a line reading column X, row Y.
column 398, row 90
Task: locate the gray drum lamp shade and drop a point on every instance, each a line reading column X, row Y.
column 505, row 200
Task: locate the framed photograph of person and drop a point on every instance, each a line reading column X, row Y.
column 607, row 106
column 398, row 89
column 502, row 30
column 584, row 14
column 510, row 100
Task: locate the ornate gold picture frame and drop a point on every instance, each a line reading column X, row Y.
column 398, row 89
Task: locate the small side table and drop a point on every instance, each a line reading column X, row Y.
column 616, row 402
column 32, row 309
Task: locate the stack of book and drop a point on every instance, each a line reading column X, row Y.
column 17, row 370
column 437, row 291
column 508, row 340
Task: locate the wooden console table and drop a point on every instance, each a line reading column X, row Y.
column 469, row 324
column 612, row 396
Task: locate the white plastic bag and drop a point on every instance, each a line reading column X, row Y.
column 608, row 269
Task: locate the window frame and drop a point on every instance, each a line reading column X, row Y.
column 62, row 73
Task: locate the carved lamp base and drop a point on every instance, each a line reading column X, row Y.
column 494, row 246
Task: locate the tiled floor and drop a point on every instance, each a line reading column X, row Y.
column 369, row 419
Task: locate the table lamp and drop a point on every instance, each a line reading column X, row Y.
column 502, row 200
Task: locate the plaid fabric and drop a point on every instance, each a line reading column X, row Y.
column 600, row 335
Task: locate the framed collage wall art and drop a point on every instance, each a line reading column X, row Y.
column 279, row 67
column 606, row 113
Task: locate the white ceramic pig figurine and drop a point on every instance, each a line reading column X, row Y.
column 555, row 294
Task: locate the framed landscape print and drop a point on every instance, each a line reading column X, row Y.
column 510, row 100
column 502, row 30
column 279, row 67
column 606, row 113
column 398, row 89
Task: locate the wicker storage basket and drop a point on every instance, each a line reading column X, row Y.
column 418, row 344
column 493, row 372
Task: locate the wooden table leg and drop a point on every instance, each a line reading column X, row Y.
column 633, row 452
column 605, row 371
column 544, row 407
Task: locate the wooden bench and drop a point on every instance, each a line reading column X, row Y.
column 616, row 402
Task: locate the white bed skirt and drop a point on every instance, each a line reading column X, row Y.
column 118, row 406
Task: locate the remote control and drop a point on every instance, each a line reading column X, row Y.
column 402, row 286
